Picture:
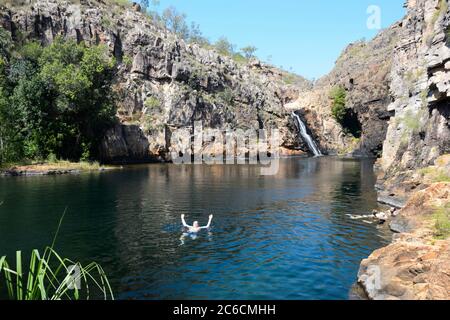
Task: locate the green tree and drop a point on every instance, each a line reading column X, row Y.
column 224, row 46
column 176, row 22
column 58, row 100
column 338, row 108
column 5, row 43
column 6, row 152
column 249, row 51
column 196, row 35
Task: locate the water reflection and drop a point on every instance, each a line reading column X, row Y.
column 286, row 236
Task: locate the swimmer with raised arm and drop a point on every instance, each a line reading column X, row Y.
column 195, row 228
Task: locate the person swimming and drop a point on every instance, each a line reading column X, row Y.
column 195, row 228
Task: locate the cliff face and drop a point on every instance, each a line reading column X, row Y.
column 415, row 265
column 396, row 85
column 164, row 84
column 397, row 93
column 363, row 71
column 419, row 131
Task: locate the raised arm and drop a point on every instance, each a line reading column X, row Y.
column 184, row 221
column 209, row 222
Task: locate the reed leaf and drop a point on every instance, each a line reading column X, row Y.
column 48, row 278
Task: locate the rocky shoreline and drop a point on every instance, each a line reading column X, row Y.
column 45, row 169
column 26, row 173
column 416, row 265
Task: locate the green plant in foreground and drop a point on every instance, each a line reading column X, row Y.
column 49, row 277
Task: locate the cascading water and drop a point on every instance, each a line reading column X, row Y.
column 306, row 137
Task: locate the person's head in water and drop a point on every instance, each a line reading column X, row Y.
column 196, row 225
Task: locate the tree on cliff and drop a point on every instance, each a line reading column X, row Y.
column 224, row 46
column 249, row 51
column 338, row 108
column 176, row 22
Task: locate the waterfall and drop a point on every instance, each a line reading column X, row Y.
column 306, row 137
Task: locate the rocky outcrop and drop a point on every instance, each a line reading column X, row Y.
column 363, row 71
column 397, row 89
column 164, row 83
column 416, row 266
column 420, row 130
column 125, row 144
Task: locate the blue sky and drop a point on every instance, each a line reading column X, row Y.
column 305, row 35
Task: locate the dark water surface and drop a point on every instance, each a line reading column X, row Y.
column 276, row 237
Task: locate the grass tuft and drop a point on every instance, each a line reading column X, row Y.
column 442, row 222
column 435, row 174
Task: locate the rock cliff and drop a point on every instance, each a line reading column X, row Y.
column 363, row 71
column 414, row 169
column 163, row 83
column 419, row 131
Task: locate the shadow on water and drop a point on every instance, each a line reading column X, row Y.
column 286, row 236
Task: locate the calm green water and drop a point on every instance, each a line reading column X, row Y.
column 278, row 237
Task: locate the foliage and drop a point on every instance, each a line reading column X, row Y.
column 176, row 22
column 5, row 43
column 106, row 22
column 442, row 222
column 226, row 96
column 127, row 61
column 239, row 58
column 338, row 108
column 146, row 3
column 224, row 46
column 435, row 174
column 152, row 103
column 290, row 78
column 412, row 120
column 196, row 36
column 55, row 100
column 122, row 3
column 51, row 277
column 249, row 51
column 440, row 11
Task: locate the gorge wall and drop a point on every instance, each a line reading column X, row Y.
column 397, row 98
column 363, row 71
column 397, row 88
column 420, row 130
column 414, row 170
column 395, row 85
column 163, row 83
